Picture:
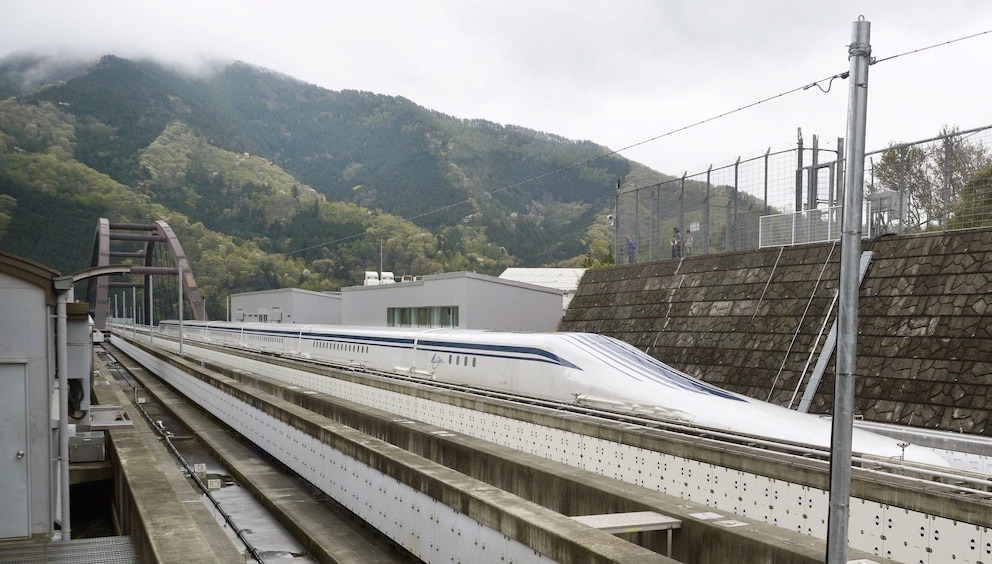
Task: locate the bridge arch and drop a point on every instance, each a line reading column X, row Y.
column 141, row 243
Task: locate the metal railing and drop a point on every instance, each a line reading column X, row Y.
column 807, row 226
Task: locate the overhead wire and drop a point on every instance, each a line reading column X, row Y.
column 829, row 80
column 934, row 46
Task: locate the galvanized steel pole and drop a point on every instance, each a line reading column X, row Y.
column 637, row 221
column 616, row 226
column 859, row 53
column 63, row 287
column 180, row 309
column 151, row 310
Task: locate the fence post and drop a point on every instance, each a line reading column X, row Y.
column 812, row 184
column 945, row 207
column 799, row 172
column 637, row 221
column 812, row 190
column 841, row 171
column 706, row 212
column 737, row 230
column 767, row 154
column 651, row 220
column 902, row 189
column 616, row 226
column 727, row 220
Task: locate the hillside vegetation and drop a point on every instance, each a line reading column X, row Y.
column 272, row 182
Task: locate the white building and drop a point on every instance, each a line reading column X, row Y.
column 564, row 279
column 287, row 305
column 463, row 300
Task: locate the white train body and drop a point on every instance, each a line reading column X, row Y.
column 580, row 368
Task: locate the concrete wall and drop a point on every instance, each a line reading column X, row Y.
column 751, row 321
column 505, row 305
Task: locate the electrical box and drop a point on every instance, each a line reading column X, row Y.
column 79, row 339
column 87, row 447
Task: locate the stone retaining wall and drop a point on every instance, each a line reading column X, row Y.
column 754, row 322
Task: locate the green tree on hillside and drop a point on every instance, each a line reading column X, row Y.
column 600, row 255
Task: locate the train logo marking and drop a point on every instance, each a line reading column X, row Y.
column 436, row 361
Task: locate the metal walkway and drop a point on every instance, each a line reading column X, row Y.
column 103, row 550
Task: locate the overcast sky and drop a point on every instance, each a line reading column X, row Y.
column 616, row 72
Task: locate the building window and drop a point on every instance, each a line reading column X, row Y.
column 426, row 316
column 448, row 316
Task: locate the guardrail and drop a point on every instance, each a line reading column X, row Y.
column 807, row 226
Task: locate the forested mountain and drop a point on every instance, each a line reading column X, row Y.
column 273, row 182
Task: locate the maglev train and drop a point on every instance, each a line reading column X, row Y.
column 578, row 368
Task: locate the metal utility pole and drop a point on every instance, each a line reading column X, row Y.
column 134, row 311
column 180, row 310
column 616, row 226
column 859, row 53
column 151, row 311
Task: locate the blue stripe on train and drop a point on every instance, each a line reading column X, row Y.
column 639, row 365
column 531, row 354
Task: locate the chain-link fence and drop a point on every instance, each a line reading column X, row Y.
column 939, row 183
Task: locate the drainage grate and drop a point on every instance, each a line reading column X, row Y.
column 102, row 550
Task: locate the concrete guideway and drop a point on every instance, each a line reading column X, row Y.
column 706, row 535
column 903, row 518
column 325, row 536
column 462, row 517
